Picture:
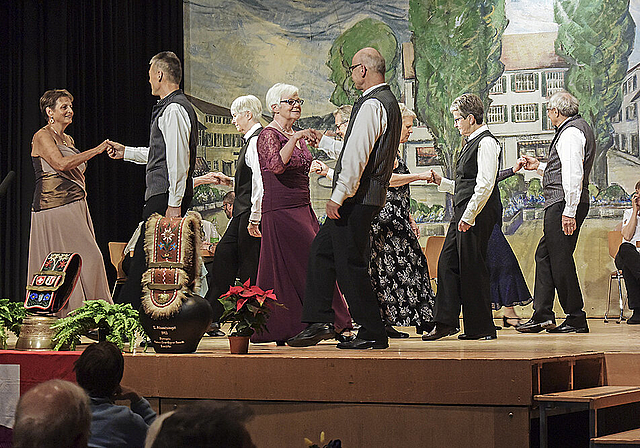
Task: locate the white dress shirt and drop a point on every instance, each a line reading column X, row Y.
column 257, row 190
column 570, row 148
column 330, row 146
column 636, row 236
column 175, row 127
column 369, row 124
column 488, row 161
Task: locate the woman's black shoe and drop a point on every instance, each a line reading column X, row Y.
column 507, row 324
column 395, row 334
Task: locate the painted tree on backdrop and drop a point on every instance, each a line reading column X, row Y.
column 596, row 39
column 365, row 33
column 457, row 45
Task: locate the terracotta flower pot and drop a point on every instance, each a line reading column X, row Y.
column 238, row 345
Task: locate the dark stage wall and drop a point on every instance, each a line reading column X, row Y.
column 99, row 51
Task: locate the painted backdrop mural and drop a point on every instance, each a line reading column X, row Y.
column 513, row 53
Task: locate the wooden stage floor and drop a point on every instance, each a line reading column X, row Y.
column 447, row 393
column 379, row 397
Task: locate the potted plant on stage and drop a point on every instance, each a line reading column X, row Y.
column 247, row 307
column 118, row 323
column 11, row 316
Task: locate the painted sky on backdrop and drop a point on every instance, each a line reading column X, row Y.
column 236, row 47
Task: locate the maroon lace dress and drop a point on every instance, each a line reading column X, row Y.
column 288, row 228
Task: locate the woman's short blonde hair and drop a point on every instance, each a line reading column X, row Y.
column 406, row 112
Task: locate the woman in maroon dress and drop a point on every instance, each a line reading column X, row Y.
column 288, row 221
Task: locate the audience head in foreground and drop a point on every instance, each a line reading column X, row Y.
column 54, row 414
column 206, row 424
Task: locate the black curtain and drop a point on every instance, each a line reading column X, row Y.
column 98, row 50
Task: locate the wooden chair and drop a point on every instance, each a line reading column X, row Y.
column 432, row 251
column 614, row 238
column 116, row 254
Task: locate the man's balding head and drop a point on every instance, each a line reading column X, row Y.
column 372, row 59
column 368, row 68
column 53, row 414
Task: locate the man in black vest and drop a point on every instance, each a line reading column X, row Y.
column 463, row 278
column 170, row 159
column 565, row 182
column 238, row 251
column 340, row 250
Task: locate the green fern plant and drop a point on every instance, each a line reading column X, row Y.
column 11, row 316
column 120, row 321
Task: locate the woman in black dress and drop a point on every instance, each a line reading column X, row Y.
column 398, row 267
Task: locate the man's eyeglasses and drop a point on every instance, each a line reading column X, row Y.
column 342, row 123
column 291, row 102
column 353, row 67
column 457, row 120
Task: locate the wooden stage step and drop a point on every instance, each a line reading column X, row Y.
column 626, row 439
column 590, row 399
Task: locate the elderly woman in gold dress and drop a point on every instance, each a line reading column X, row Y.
column 60, row 219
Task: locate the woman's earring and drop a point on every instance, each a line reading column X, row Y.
column 51, row 120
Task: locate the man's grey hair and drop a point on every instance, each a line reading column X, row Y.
column 53, row 414
column 344, row 111
column 247, row 103
column 169, row 64
column 277, row 92
column 406, row 112
column 566, row 103
column 469, row 104
column 373, row 60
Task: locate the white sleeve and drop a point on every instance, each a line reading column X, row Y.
column 257, row 189
column 488, row 160
column 570, row 149
column 447, row 186
column 175, row 126
column 541, row 167
column 330, row 146
column 139, row 155
column 370, row 123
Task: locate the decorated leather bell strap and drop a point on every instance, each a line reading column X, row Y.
column 52, row 286
column 169, row 247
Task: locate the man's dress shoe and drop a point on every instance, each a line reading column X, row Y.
column 531, row 326
column 568, row 328
column 361, row 344
column 313, row 334
column 477, row 337
column 395, row 334
column 440, row 331
column 215, row 331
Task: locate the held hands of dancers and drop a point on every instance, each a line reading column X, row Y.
column 433, row 177
column 319, row 168
column 530, row 163
column 307, row 134
column 115, row 150
column 215, row 178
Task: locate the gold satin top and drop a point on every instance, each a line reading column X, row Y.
column 56, row 188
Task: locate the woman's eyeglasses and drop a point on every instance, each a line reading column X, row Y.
column 291, row 102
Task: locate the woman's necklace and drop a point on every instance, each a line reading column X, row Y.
column 285, row 132
column 64, row 142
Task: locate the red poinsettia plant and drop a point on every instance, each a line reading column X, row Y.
column 247, row 307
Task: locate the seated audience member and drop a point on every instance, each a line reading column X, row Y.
column 628, row 258
column 99, row 371
column 54, row 414
column 206, row 424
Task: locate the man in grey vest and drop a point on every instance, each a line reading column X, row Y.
column 463, row 277
column 565, row 184
column 169, row 158
column 238, row 252
column 340, row 250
